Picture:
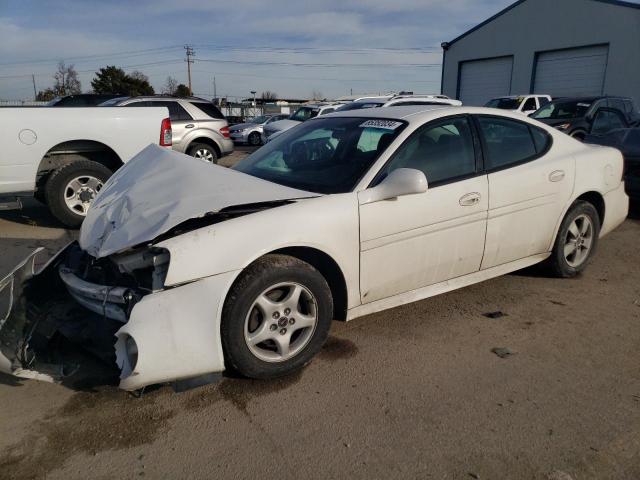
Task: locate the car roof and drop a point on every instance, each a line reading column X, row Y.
column 397, row 113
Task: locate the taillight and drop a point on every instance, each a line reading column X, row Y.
column 165, row 133
column 225, row 132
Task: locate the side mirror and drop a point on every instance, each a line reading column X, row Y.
column 403, row 181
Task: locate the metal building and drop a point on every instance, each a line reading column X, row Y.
column 555, row 47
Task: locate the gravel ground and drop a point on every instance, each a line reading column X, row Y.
column 414, row 392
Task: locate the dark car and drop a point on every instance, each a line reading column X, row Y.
column 81, row 100
column 576, row 116
column 627, row 140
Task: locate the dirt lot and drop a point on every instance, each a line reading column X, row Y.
column 414, row 392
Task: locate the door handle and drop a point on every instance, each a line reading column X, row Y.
column 189, row 125
column 556, row 175
column 470, row 199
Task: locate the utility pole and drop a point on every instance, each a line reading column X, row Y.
column 190, row 53
column 215, row 93
column 35, row 95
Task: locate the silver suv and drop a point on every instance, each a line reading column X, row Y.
column 198, row 128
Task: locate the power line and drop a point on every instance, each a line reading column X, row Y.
column 131, row 53
column 323, row 65
column 92, row 70
column 263, row 48
column 278, row 77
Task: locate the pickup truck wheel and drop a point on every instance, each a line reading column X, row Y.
column 70, row 190
column 276, row 317
column 203, row 152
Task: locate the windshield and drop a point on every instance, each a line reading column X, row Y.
column 328, row 155
column 259, row 120
column 359, row 106
column 559, row 110
column 504, row 103
column 304, row 113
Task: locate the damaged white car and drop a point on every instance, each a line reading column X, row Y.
column 184, row 268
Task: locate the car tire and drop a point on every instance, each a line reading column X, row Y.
column 203, row 151
column 254, row 139
column 576, row 241
column 268, row 330
column 579, row 135
column 69, row 186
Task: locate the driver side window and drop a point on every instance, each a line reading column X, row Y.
column 443, row 151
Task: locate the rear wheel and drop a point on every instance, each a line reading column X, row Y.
column 203, row 152
column 576, row 241
column 276, row 318
column 71, row 189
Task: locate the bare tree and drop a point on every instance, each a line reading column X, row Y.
column 138, row 75
column 269, row 95
column 316, row 95
column 170, row 86
column 66, row 80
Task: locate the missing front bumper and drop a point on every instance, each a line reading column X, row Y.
column 42, row 326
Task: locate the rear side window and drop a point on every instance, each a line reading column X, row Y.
column 543, row 101
column 509, row 142
column 176, row 112
column 209, row 108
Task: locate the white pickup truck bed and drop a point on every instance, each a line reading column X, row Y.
column 39, row 142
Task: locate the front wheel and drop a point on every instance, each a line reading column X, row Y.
column 276, row 318
column 576, row 241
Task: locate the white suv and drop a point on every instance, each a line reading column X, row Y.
column 525, row 104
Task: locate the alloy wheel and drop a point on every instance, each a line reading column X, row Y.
column 578, row 241
column 281, row 322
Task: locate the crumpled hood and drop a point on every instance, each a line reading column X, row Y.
column 159, row 189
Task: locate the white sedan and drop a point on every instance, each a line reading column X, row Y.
column 196, row 268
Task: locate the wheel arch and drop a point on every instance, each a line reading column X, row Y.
column 206, row 140
column 595, row 198
column 327, row 267
column 69, row 151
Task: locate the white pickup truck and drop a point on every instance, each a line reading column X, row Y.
column 63, row 156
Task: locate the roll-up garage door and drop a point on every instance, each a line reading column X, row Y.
column 571, row 73
column 482, row 80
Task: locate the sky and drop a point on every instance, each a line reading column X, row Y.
column 292, row 48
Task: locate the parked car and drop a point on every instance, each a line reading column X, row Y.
column 575, row 116
column 199, row 127
column 399, row 101
column 250, row 132
column 63, row 157
column 525, row 104
column 302, row 114
column 246, row 268
column 627, row 140
column 81, row 100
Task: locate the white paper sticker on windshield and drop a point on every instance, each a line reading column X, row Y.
column 385, row 124
column 584, row 105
